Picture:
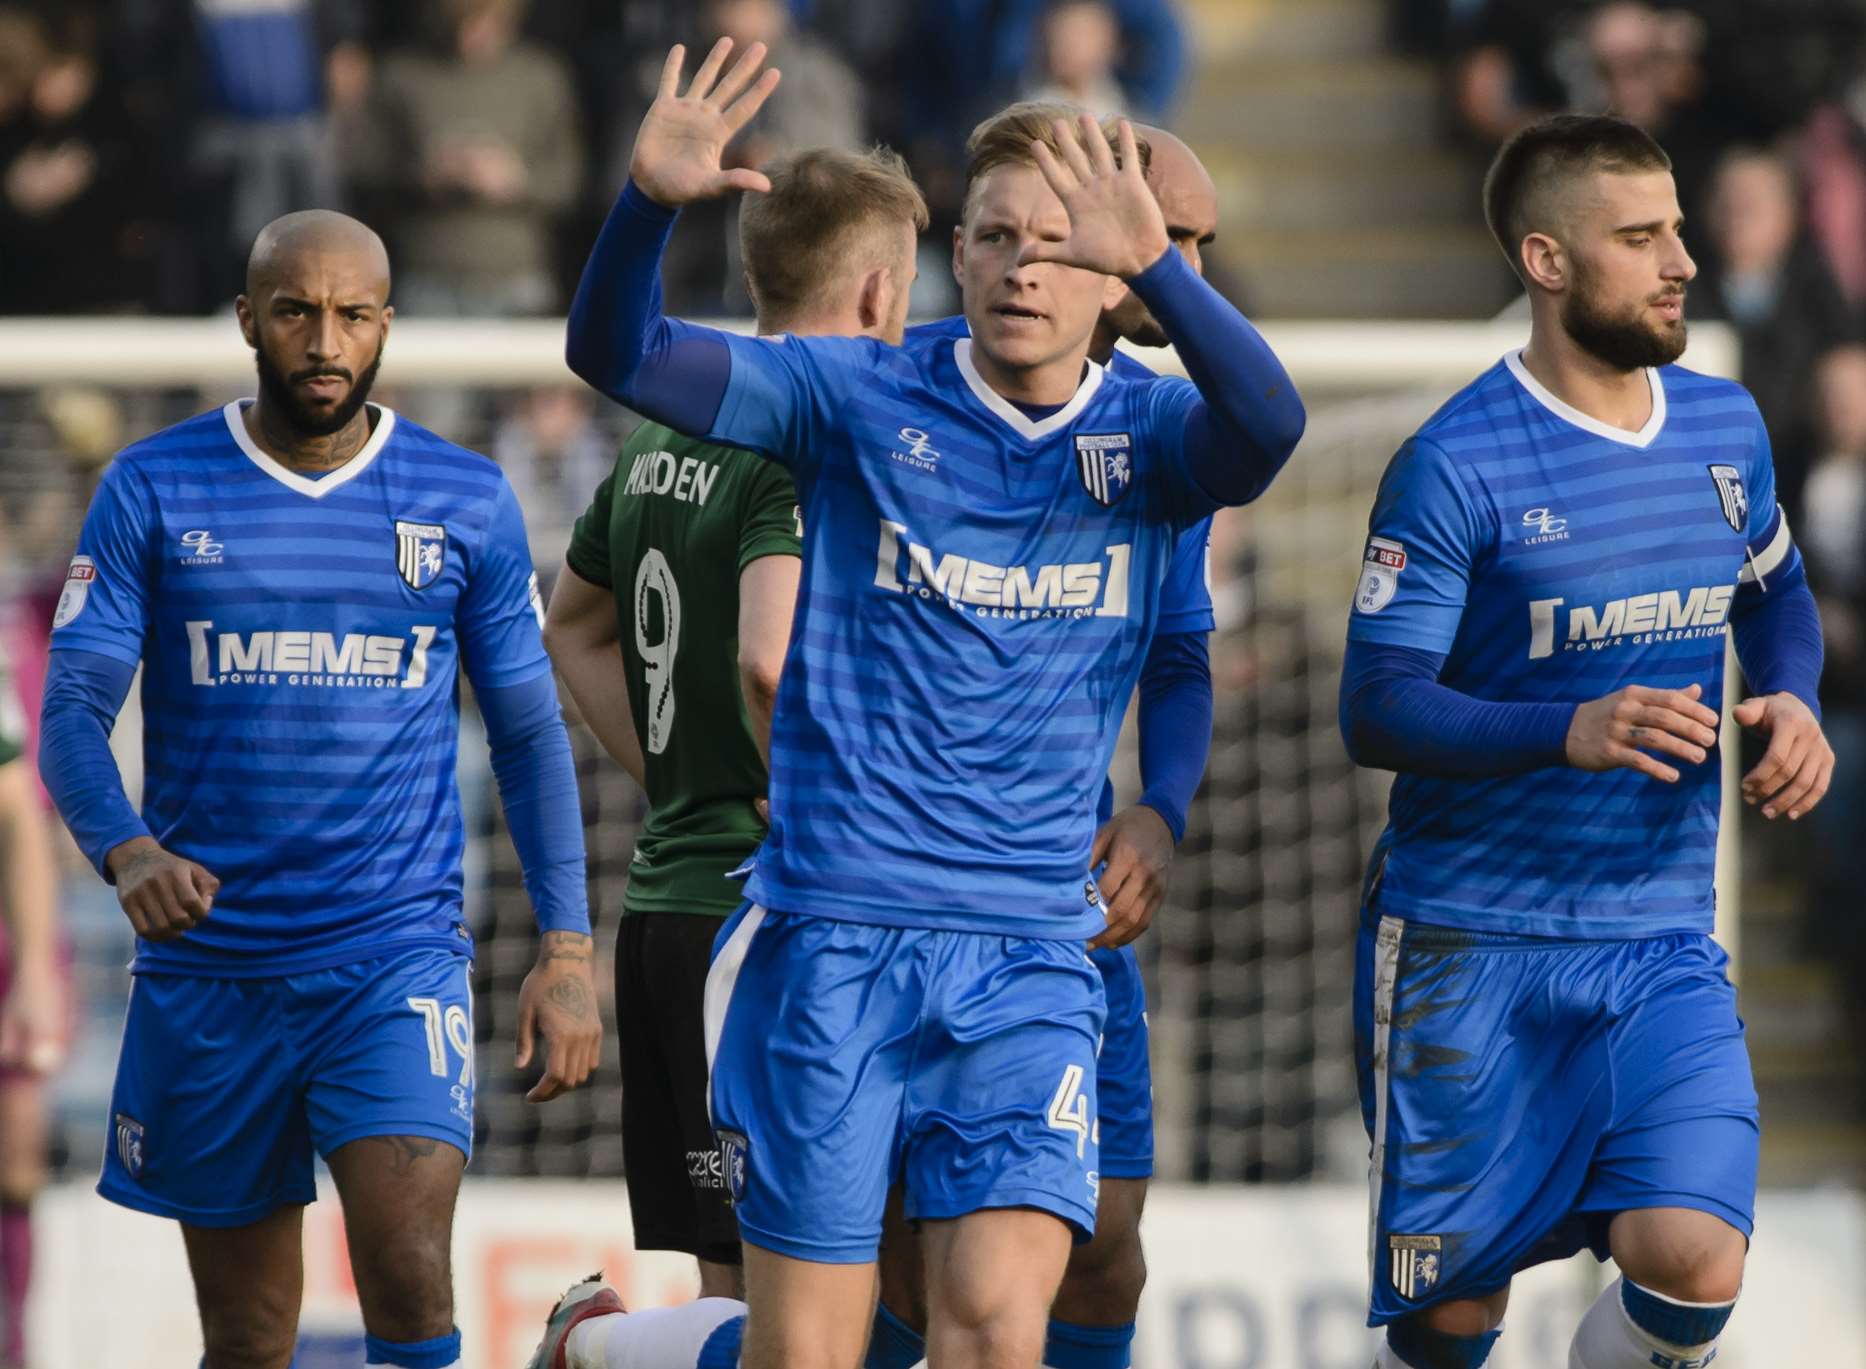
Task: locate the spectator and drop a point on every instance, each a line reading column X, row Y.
column 72, row 235
column 1645, row 65
column 1504, row 65
column 554, row 457
column 1081, row 47
column 467, row 151
column 1833, row 536
column 1766, row 277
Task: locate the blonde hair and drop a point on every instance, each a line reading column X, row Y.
column 819, row 219
column 1005, row 138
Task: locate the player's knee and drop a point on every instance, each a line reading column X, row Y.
column 1697, row 1272
column 1105, row 1278
column 987, row 1339
column 259, row 1333
column 21, row 1178
column 406, row 1287
column 1686, row 1257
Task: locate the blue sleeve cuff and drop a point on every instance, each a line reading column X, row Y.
column 1778, row 638
column 538, row 786
column 1175, row 724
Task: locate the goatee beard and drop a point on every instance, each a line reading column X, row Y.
column 284, row 401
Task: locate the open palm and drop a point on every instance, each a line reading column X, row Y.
column 682, row 139
column 1115, row 226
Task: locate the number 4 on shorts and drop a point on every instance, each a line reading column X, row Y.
column 1069, row 1109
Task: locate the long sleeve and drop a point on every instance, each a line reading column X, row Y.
column 1395, row 715
column 84, row 691
column 538, row 785
column 621, row 343
column 1778, row 637
column 1248, row 417
column 1175, row 724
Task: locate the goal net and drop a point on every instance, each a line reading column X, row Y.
column 1250, row 964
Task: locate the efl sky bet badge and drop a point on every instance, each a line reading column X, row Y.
column 419, row 551
column 1105, row 463
column 77, row 589
column 1380, row 572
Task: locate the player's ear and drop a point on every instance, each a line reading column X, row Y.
column 1544, row 262
column 249, row 327
column 873, row 301
column 1113, row 291
column 958, row 252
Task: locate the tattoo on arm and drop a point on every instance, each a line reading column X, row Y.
column 570, row 946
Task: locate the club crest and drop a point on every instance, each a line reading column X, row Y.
column 1105, row 463
column 1731, row 495
column 1416, row 1264
column 732, row 1148
column 130, row 1144
column 420, row 550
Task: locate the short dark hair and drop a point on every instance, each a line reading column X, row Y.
column 1547, row 154
column 818, row 220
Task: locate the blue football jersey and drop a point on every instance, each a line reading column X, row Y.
column 300, row 639
column 978, row 592
column 1553, row 558
column 1186, row 597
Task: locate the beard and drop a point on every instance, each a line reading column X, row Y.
column 300, row 418
column 1623, row 339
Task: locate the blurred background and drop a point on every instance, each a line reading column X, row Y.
column 144, row 142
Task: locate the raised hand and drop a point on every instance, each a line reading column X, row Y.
column 1620, row 729
column 1115, row 226
column 682, row 140
column 1794, row 772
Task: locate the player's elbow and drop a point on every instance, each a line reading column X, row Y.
column 1287, row 419
column 758, row 678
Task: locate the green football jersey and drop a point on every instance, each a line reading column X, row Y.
column 668, row 533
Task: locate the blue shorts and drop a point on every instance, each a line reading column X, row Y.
column 225, row 1087
column 1123, row 1073
column 846, row 1057
column 1521, row 1091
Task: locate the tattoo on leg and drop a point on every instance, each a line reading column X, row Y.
column 405, row 1151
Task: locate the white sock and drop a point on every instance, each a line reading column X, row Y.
column 654, row 1338
column 1608, row 1338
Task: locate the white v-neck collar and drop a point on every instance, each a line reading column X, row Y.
column 1587, row 422
column 235, row 415
column 1030, row 429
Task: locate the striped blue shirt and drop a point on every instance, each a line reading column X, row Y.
column 300, row 640
column 978, row 592
column 1550, row 557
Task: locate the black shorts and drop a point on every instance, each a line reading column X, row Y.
column 677, row 1191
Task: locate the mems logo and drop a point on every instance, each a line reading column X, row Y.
column 1667, row 616
column 320, row 660
column 1079, row 589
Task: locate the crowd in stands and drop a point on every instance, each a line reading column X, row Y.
column 144, row 142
